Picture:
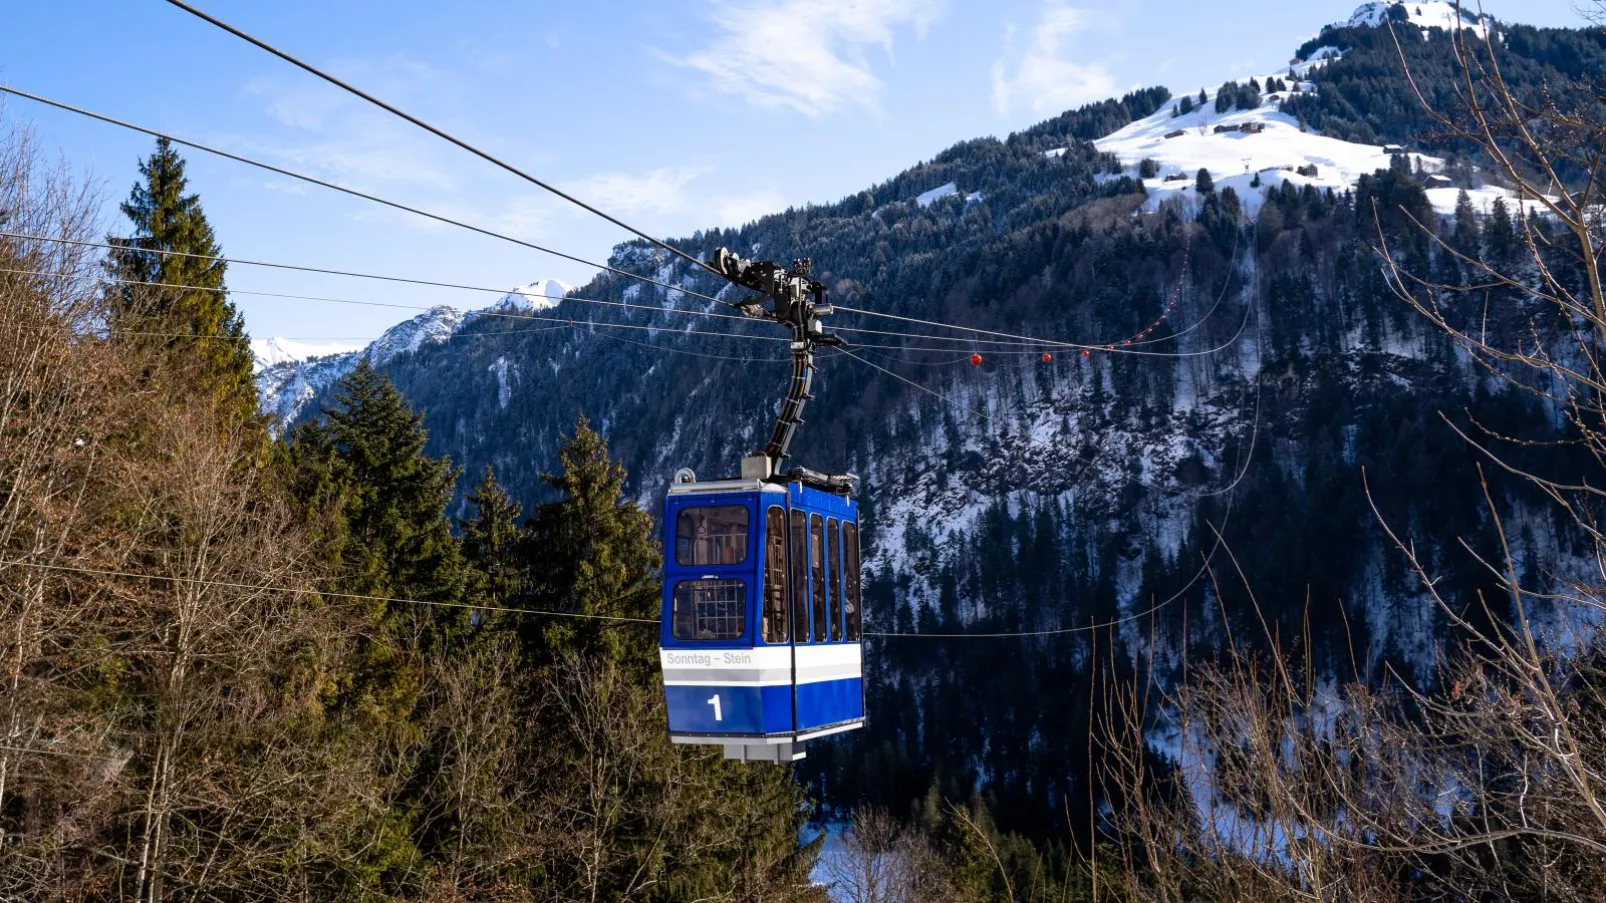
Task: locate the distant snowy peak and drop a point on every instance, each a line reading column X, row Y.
column 437, row 324
column 1422, row 15
column 290, row 373
column 543, row 294
column 280, row 350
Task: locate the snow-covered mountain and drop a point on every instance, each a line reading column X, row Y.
column 292, row 373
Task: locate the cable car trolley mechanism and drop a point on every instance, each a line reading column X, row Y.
column 760, row 639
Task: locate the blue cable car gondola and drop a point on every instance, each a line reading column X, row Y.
column 760, row 639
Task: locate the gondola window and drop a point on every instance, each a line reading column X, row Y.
column 710, row 610
column 711, row 535
column 775, row 576
column 800, row 575
column 817, row 564
column 850, row 567
column 835, row 557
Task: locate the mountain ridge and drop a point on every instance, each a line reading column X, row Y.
column 290, row 374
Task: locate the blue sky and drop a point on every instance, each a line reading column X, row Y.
column 674, row 115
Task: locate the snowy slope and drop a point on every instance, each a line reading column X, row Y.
column 1423, row 15
column 1234, row 158
column 928, row 198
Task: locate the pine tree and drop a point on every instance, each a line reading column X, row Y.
column 492, row 544
column 400, row 542
column 693, row 824
column 166, row 219
column 1499, row 237
column 591, row 552
column 1468, row 237
column 1204, row 183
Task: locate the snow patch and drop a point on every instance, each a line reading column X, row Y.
column 503, row 390
column 926, row 199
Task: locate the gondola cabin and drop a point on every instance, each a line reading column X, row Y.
column 760, row 636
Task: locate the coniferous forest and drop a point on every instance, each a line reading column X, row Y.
column 1306, row 608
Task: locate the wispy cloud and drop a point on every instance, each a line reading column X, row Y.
column 662, row 190
column 329, row 133
column 1045, row 77
column 804, row 55
column 668, row 196
column 738, row 211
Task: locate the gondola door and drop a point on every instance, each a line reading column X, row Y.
column 798, row 557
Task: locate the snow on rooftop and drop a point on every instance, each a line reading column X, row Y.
column 928, row 198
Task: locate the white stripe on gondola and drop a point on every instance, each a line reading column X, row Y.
column 760, row 667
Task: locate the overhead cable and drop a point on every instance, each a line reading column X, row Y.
column 565, row 321
column 278, row 170
column 439, row 133
column 348, row 273
column 360, row 597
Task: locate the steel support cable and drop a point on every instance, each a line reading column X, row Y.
column 1036, row 348
column 439, row 133
column 447, row 285
column 911, row 382
column 353, row 192
column 1107, row 347
column 564, row 321
column 197, row 581
column 347, row 273
column 477, row 288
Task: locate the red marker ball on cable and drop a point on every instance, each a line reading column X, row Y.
column 1047, row 358
column 1086, row 353
column 975, row 360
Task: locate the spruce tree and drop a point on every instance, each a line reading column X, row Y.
column 163, row 299
column 1468, row 235
column 492, row 542
column 591, row 552
column 400, row 541
column 1204, row 183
